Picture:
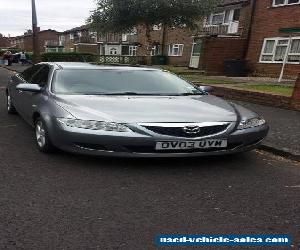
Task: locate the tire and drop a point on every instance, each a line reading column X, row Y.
column 43, row 141
column 9, row 105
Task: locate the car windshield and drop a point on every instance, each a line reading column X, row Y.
column 121, row 82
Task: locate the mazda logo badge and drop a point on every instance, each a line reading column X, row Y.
column 192, row 129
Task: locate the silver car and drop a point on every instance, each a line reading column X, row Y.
column 128, row 111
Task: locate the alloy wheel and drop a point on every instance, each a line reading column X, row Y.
column 40, row 134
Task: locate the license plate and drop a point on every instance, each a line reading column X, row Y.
column 185, row 145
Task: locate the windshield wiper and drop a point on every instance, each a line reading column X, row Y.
column 188, row 94
column 123, row 93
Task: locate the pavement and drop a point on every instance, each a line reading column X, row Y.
column 284, row 135
column 16, row 67
column 64, row 201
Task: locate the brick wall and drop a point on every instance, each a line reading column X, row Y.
column 25, row 42
column 218, row 49
column 255, row 97
column 266, row 23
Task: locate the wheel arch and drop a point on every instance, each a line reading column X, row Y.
column 35, row 116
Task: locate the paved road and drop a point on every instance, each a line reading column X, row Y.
column 64, row 201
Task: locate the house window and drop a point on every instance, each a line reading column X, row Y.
column 224, row 17
column 275, row 49
column 124, row 37
column 157, row 27
column 113, row 51
column 133, row 31
column 129, row 50
column 175, row 49
column 285, row 2
column 71, row 36
column 217, row 18
column 132, row 50
column 294, row 53
column 155, row 50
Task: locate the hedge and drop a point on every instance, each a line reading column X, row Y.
column 68, row 57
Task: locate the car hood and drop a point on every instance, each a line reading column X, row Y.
column 133, row 109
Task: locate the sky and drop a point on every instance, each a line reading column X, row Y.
column 60, row 15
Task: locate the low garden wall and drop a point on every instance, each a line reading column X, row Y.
column 273, row 100
column 254, row 97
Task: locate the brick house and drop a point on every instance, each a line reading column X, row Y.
column 48, row 39
column 119, row 44
column 178, row 43
column 79, row 39
column 4, row 42
column 175, row 43
column 224, row 36
column 268, row 44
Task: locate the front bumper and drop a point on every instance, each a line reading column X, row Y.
column 133, row 144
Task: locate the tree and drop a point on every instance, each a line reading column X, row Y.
column 120, row 16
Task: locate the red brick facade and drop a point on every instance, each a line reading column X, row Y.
column 4, row 42
column 24, row 42
column 172, row 36
column 217, row 50
column 266, row 24
column 272, row 100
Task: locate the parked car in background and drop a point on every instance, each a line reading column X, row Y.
column 128, row 111
column 16, row 58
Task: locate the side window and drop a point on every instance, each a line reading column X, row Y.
column 28, row 73
column 41, row 77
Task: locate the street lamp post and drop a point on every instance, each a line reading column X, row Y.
column 35, row 38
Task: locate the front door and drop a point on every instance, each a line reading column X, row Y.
column 196, row 52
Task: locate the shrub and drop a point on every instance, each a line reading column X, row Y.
column 68, row 57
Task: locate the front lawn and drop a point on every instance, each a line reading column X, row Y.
column 268, row 88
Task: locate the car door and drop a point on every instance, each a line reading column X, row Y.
column 24, row 77
column 32, row 100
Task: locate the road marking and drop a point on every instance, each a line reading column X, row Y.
column 298, row 186
column 8, row 126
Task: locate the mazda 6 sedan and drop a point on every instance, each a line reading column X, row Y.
column 128, row 111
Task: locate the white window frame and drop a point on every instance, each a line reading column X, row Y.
column 276, row 39
column 157, row 27
column 155, row 51
column 113, row 51
column 71, row 36
column 133, row 50
column 286, row 2
column 172, row 48
column 208, row 21
column 133, row 32
column 125, row 37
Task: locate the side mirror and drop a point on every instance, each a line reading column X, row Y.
column 207, row 89
column 34, row 88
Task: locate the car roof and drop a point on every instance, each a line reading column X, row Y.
column 81, row 65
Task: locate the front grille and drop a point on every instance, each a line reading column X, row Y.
column 179, row 131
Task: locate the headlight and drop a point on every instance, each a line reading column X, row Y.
column 251, row 123
column 94, row 125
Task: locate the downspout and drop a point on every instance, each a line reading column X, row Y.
column 249, row 36
column 163, row 41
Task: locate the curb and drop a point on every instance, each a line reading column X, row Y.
column 279, row 152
